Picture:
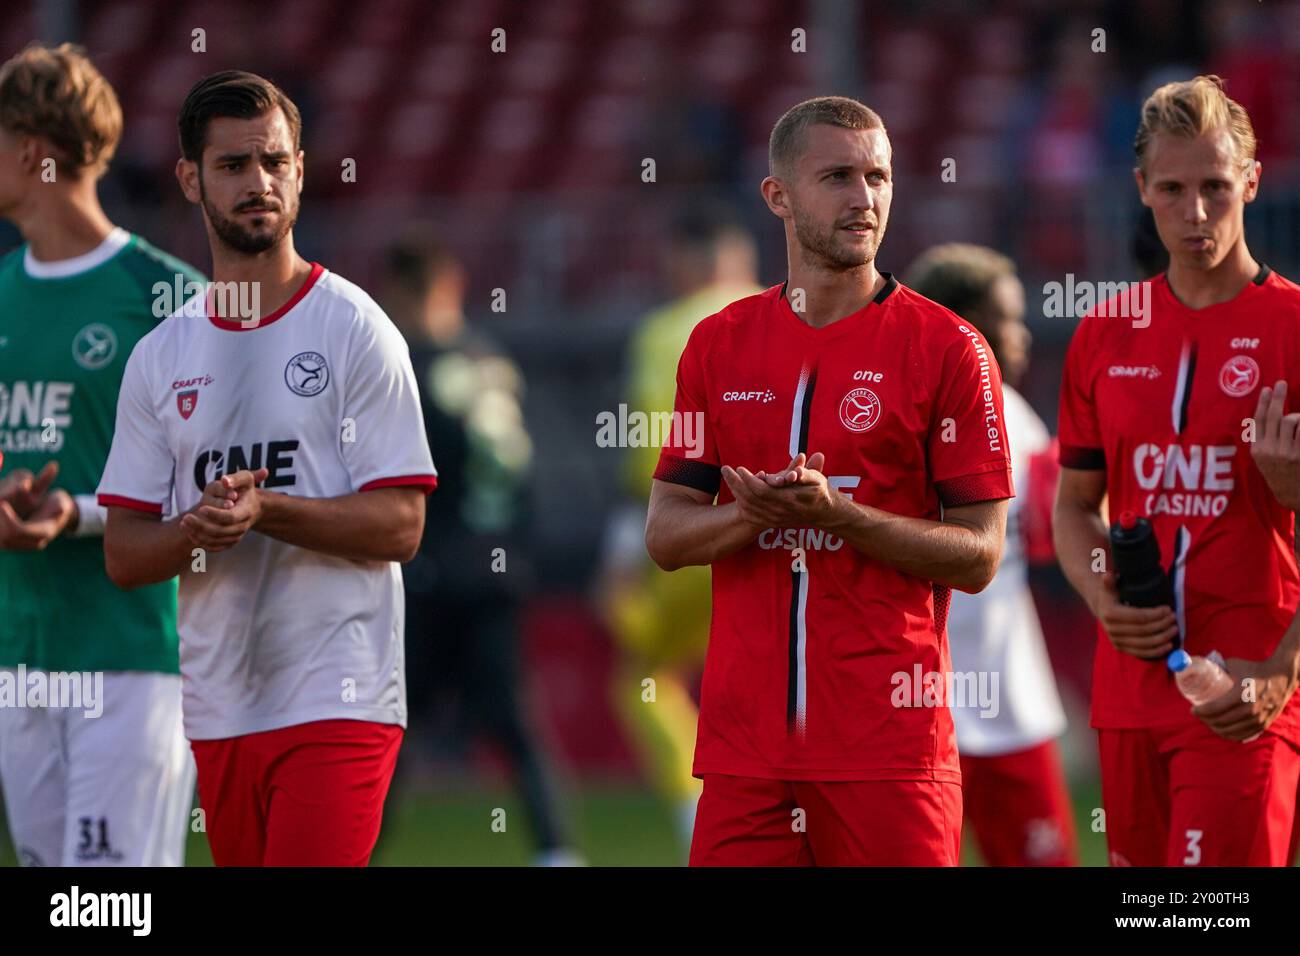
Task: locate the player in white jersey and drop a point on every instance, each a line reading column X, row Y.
column 1012, row 786
column 274, row 457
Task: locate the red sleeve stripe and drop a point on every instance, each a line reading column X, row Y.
column 1085, row 459
column 117, row 501
column 427, row 482
column 699, row 475
column 970, row 489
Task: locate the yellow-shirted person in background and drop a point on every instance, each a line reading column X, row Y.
column 660, row 621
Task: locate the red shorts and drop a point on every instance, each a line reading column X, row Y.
column 748, row 821
column 1184, row 796
column 307, row 795
column 1019, row 807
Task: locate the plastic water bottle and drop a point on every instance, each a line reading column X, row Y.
column 1200, row 679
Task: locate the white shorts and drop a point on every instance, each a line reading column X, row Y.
column 109, row 790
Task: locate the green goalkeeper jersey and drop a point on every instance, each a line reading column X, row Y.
column 64, row 342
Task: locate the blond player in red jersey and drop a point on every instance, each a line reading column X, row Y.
column 851, row 432
column 1166, row 414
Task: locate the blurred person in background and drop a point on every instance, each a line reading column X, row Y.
column 465, row 587
column 1013, row 787
column 81, row 789
column 659, row 620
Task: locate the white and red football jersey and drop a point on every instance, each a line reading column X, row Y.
column 321, row 393
column 996, row 632
column 822, row 662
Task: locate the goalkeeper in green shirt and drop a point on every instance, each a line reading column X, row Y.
column 94, row 766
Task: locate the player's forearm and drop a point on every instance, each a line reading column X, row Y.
column 945, row 553
column 1287, row 654
column 141, row 549
column 682, row 533
column 1078, row 532
column 381, row 525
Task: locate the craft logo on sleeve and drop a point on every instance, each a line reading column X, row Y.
column 307, row 374
column 34, row 416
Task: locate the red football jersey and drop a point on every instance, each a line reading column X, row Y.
column 1163, row 409
column 822, row 663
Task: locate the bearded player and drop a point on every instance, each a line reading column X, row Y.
column 292, row 440
column 81, row 788
column 851, row 433
column 1169, row 415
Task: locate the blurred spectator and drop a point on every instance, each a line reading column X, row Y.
column 660, row 620
column 464, row 587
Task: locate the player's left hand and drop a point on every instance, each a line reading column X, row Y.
column 54, row 513
column 1276, row 448
column 799, row 496
column 1235, row 715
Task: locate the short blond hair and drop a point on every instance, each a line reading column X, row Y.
column 1192, row 108
column 56, row 93
column 786, row 142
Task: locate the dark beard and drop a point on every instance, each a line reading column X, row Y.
column 821, row 248
column 234, row 235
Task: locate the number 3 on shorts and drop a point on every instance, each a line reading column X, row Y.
column 1193, row 847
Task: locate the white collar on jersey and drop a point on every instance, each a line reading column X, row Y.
column 62, row 268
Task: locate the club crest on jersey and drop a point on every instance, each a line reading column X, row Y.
column 1239, row 376
column 185, row 402
column 860, row 410
column 94, row 346
column 307, row 374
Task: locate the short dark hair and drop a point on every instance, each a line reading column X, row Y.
column 959, row 276
column 703, row 221
column 232, row 93
column 787, row 135
column 418, row 258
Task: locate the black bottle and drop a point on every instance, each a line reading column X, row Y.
column 1140, row 579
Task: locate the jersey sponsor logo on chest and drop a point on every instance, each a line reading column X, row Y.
column 35, row 415
column 1191, row 480
column 211, row 464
